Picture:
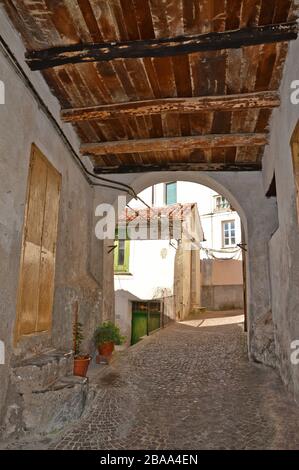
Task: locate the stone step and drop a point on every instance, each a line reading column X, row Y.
column 46, row 396
column 49, row 410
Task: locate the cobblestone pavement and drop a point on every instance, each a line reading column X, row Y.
column 189, row 386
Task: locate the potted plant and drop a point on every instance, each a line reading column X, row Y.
column 106, row 336
column 81, row 361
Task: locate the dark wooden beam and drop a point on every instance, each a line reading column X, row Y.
column 187, row 44
column 267, row 99
column 173, row 143
column 177, row 166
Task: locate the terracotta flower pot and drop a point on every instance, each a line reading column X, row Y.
column 81, row 365
column 106, row 349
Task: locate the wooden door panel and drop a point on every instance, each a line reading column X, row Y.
column 46, row 291
column 47, row 266
column 28, row 310
column 36, row 288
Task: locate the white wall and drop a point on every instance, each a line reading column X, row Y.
column 151, row 268
column 283, row 246
column 204, row 197
column 22, row 122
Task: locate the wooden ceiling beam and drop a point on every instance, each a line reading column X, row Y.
column 162, row 47
column 177, row 166
column 173, row 143
column 245, row 101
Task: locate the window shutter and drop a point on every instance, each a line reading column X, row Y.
column 171, row 193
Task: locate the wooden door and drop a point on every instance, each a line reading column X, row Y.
column 244, row 252
column 37, row 270
column 295, row 155
column 146, row 317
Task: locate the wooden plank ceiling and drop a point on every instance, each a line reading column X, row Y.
column 139, row 105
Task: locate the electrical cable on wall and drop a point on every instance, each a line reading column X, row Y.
column 119, row 186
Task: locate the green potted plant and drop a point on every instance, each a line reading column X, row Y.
column 106, row 336
column 81, row 361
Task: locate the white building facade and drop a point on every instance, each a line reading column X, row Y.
column 147, row 269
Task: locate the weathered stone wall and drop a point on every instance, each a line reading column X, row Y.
column 245, row 191
column 123, row 313
column 182, row 282
column 78, row 259
column 283, row 247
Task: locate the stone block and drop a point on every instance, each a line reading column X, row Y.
column 102, row 359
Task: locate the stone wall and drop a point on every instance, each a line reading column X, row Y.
column 222, row 284
column 79, row 257
column 123, row 313
column 284, row 243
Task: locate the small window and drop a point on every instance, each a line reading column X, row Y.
column 122, row 257
column 295, row 155
column 37, row 267
column 228, row 233
column 153, row 196
column 221, row 204
column 170, row 193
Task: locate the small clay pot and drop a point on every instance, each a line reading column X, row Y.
column 106, row 349
column 81, row 365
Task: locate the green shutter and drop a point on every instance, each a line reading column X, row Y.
column 171, row 193
column 122, row 260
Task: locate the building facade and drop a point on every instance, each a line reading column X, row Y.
column 151, row 266
column 241, row 153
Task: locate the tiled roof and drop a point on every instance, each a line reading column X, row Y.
column 174, row 212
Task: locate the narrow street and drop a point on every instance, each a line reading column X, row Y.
column 189, row 386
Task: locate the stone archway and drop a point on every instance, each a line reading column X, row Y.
column 259, row 218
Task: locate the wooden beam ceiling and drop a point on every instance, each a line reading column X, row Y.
column 177, row 166
column 260, row 100
column 173, row 143
column 161, row 47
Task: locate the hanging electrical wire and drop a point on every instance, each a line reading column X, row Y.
column 117, row 185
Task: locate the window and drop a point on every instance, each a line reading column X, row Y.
column 295, row 155
column 221, row 204
column 122, row 257
column 170, row 193
column 153, row 196
column 36, row 284
column 228, row 233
